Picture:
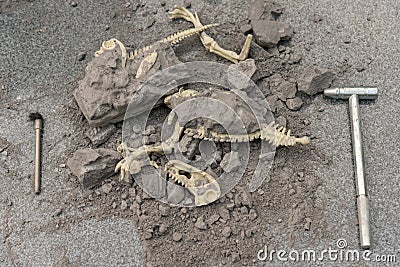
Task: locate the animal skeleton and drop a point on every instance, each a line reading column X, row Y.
column 202, row 185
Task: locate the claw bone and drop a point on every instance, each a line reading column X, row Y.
column 209, row 43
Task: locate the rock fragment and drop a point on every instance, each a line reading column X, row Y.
column 107, row 88
column 253, row 214
column 235, row 257
column 154, row 185
column 124, row 205
column 224, row 213
column 283, row 89
column 231, row 162
column 315, row 80
column 177, row 237
column 246, row 29
column 99, row 135
column 82, row 56
column 175, row 194
column 188, row 145
column 248, row 67
column 163, row 228
column 106, row 188
column 164, row 210
column 262, row 9
column 281, row 120
column 294, row 104
column 273, row 103
column 307, row 224
column 92, row 166
column 268, row 33
column 227, row 231
column 212, row 219
column 200, row 224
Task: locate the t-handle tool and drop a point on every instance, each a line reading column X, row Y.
column 354, row 94
column 38, row 131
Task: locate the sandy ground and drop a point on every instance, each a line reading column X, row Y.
column 39, row 49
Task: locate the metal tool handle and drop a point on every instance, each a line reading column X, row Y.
column 363, row 221
column 37, row 180
column 362, row 199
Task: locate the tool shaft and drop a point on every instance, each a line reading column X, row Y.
column 38, row 130
column 363, row 221
column 355, row 121
column 346, row 92
column 362, row 199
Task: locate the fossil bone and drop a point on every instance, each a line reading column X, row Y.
column 209, row 43
column 202, row 185
column 172, row 39
column 272, row 133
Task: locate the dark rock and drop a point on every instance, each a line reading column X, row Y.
column 360, row 68
column 99, row 135
column 175, row 194
column 106, row 188
column 187, row 4
column 148, row 234
column 231, row 162
column 164, row 210
column 260, row 54
column 227, row 231
column 295, row 58
column 315, row 80
column 177, row 237
column 150, row 129
column 82, row 56
column 282, row 89
column 268, row 33
column 294, row 104
column 307, row 225
column 316, row 18
column 212, row 219
column 200, row 224
column 274, row 103
column 137, row 129
column 150, row 22
column 264, row 9
column 281, row 120
column 132, row 192
column 246, row 29
column 58, row 212
column 253, row 215
column 243, row 198
column 163, row 228
column 107, row 88
column 235, row 257
column 92, row 166
column 124, row 205
column 248, row 67
column 188, row 145
column 224, row 213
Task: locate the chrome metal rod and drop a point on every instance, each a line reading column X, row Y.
column 361, row 190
